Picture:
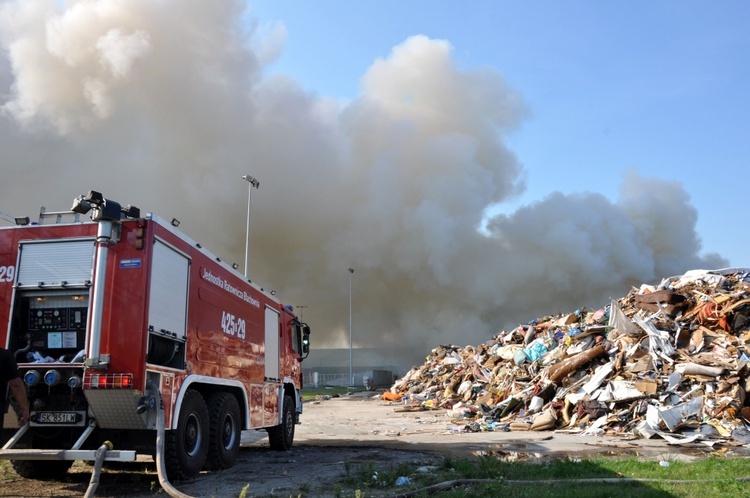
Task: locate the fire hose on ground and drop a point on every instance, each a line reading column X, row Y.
column 161, row 468
column 101, row 452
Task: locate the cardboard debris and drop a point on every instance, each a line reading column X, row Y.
column 658, row 361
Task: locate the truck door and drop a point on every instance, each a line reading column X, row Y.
column 167, row 310
column 272, row 343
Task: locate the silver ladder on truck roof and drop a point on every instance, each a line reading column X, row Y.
column 58, row 216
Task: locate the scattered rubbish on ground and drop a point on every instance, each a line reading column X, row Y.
column 667, row 360
column 402, row 481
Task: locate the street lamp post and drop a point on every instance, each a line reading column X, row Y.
column 351, row 374
column 252, row 182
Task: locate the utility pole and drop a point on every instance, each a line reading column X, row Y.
column 351, row 373
column 252, row 183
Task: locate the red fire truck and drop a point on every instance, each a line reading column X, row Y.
column 122, row 322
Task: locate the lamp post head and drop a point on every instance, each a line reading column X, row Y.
column 351, row 270
column 253, row 182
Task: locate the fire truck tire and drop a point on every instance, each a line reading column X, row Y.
column 187, row 445
column 225, row 428
column 42, row 470
column 281, row 436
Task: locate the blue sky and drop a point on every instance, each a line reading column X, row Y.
column 658, row 87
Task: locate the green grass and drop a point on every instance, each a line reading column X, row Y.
column 493, row 477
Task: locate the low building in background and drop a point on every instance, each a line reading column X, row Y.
column 373, row 367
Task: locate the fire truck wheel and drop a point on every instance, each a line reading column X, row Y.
column 42, row 470
column 187, row 445
column 281, row 437
column 225, row 426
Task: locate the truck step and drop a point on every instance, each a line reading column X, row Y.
column 90, row 455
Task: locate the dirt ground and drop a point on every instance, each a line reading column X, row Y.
column 340, row 438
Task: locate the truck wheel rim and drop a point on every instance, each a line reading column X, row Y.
column 289, row 425
column 192, row 435
column 228, row 432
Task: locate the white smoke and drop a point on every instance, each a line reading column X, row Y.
column 165, row 105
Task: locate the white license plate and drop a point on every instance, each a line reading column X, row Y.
column 57, row 418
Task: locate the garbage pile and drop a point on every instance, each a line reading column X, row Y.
column 667, row 360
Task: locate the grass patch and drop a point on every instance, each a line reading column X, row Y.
column 711, row 477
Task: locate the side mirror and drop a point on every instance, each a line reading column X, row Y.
column 305, row 340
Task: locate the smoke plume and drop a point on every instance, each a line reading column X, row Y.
column 165, row 105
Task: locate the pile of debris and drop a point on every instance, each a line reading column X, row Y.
column 664, row 359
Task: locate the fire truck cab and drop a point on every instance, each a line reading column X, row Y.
column 115, row 318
